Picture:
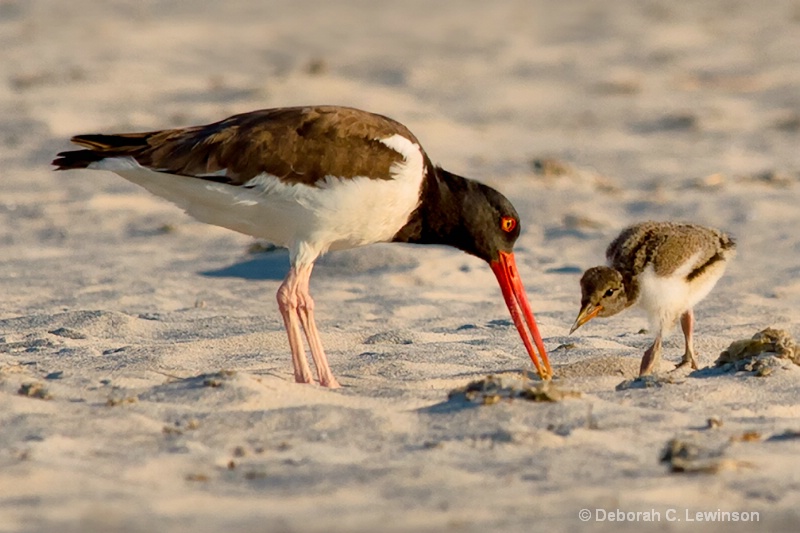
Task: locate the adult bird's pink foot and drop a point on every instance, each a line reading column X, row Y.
column 315, row 179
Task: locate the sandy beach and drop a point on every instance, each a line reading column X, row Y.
column 145, row 376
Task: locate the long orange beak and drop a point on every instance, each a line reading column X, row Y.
column 505, row 268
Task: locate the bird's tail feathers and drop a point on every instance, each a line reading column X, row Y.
column 100, row 146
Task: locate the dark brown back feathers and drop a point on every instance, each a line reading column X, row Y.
column 297, row 144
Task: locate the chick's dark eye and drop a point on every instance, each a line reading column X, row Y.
column 609, row 293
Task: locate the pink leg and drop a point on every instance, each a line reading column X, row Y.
column 305, row 310
column 651, row 357
column 687, row 325
column 287, row 303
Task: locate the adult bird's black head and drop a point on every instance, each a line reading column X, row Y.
column 480, row 221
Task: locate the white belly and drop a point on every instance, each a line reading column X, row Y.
column 664, row 299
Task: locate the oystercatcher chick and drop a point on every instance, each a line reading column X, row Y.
column 315, row 179
column 663, row 267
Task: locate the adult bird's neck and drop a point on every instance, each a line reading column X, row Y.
column 439, row 217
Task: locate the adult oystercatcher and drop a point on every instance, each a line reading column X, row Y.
column 315, row 179
column 664, row 267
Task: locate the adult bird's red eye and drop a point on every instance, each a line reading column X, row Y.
column 508, row 224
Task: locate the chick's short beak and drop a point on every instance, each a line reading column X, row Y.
column 588, row 312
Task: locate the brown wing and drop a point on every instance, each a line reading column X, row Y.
column 667, row 246
column 634, row 248
column 297, row 144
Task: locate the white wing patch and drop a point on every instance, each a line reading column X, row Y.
column 402, row 146
column 216, row 174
